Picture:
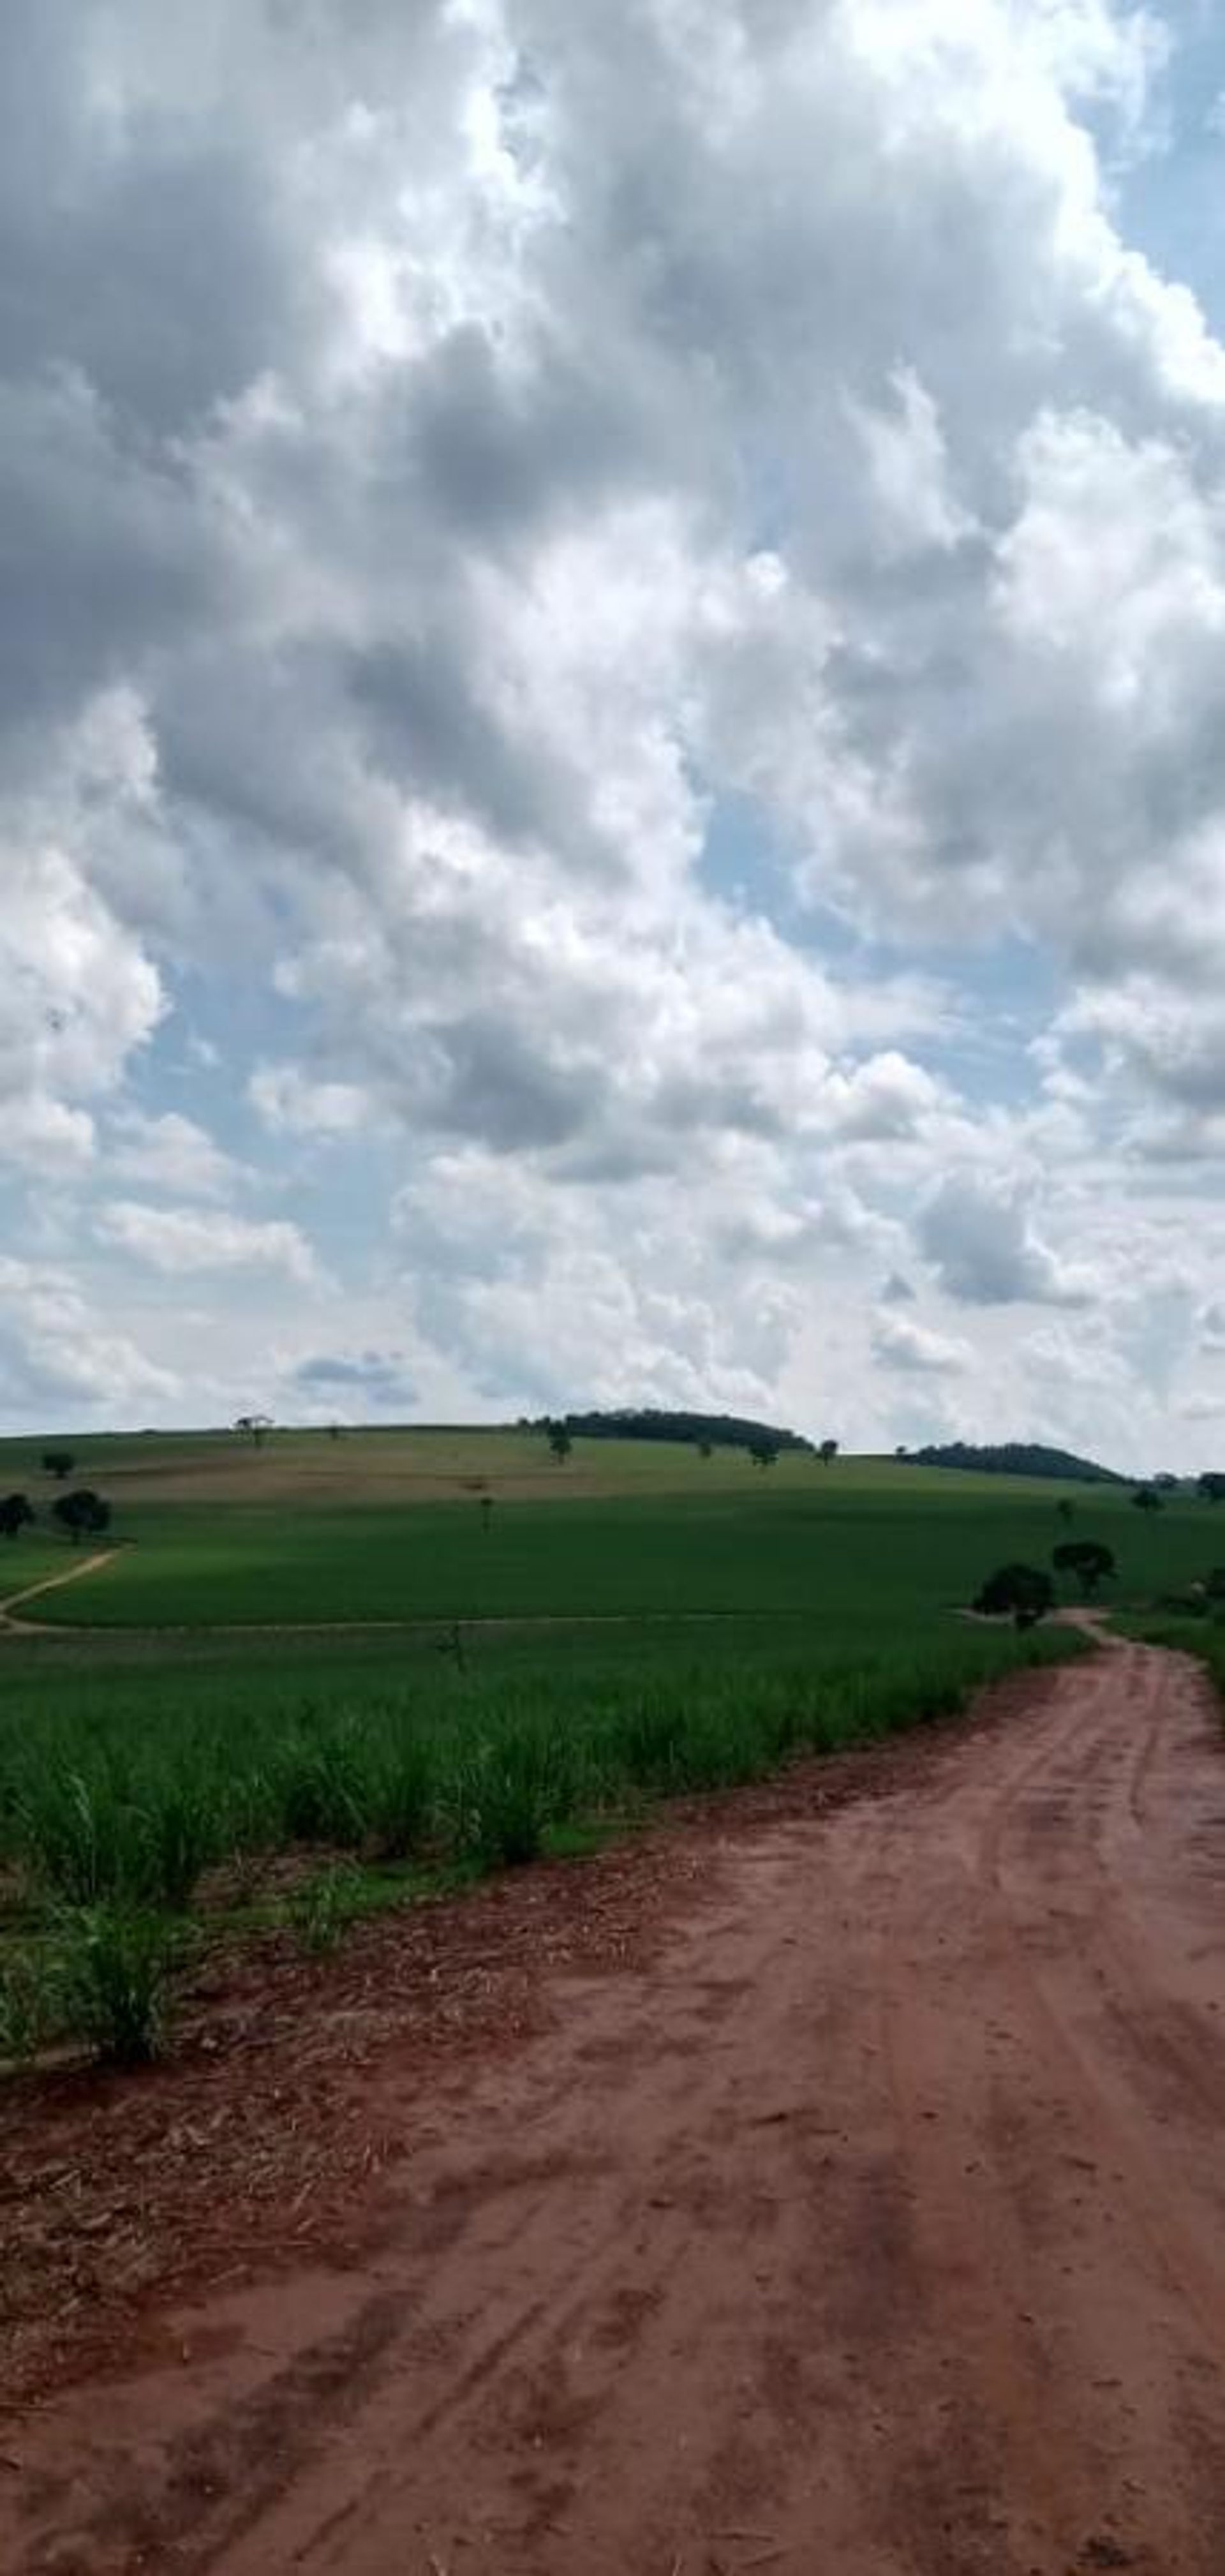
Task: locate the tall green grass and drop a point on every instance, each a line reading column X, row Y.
column 127, row 1795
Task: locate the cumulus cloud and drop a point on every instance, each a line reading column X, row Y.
column 979, row 1239
column 179, row 1241
column 900, row 1343
column 590, row 430
column 56, row 1357
column 169, row 1152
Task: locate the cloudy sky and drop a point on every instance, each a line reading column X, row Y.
column 612, row 713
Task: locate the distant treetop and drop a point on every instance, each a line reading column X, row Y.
column 1016, row 1458
column 646, row 1422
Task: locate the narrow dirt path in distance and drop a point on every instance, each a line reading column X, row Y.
column 50, row 1583
column 878, row 2229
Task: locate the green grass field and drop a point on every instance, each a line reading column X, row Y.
column 620, row 1628
column 28, row 1560
column 483, row 1525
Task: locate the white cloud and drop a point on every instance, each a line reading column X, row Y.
column 169, row 1152
column 180, row 1241
column 56, row 1357
column 885, row 1099
column 594, row 437
column 45, row 1137
column 908, row 468
column 899, row 1343
column 289, row 1102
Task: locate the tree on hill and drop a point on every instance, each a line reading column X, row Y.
column 16, row 1514
column 827, row 1452
column 1147, row 1499
column 1021, row 1592
column 654, row 1422
column 83, row 1514
column 1016, row 1458
column 763, row 1451
column 560, row 1442
column 1088, row 1560
column 58, row 1462
column 1211, row 1487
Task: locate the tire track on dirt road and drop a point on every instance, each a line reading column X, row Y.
column 875, row 2228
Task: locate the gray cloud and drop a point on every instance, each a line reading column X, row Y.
column 379, row 1375
column 980, row 1242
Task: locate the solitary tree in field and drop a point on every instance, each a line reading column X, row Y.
column 485, row 1508
column 1020, row 1592
column 58, row 1462
column 1211, row 1487
column 1066, row 1510
column 1147, row 1499
column 83, row 1515
column 560, row 1442
column 256, row 1425
column 706, row 1448
column 1087, row 1559
column 827, row 1452
column 16, row 1514
column 763, row 1452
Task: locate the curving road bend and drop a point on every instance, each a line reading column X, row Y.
column 877, row 2230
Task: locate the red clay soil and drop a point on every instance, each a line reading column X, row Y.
column 833, row 2186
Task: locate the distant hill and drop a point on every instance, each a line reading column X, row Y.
column 1016, row 1458
column 645, row 1422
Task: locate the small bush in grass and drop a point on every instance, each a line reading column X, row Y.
column 180, row 1828
column 508, row 1787
column 719, row 1748
column 75, row 1829
column 400, row 1792
column 322, row 1785
column 643, row 1740
column 101, row 1834
column 322, row 1909
column 114, row 1967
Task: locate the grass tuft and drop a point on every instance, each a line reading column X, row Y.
column 113, row 1970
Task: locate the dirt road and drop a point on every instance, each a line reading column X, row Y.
column 50, row 1583
column 877, row 2230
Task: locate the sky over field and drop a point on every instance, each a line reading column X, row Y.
column 612, row 714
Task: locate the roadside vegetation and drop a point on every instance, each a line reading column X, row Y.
column 182, row 1766
column 137, row 1816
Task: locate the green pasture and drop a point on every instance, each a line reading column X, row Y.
column 383, row 1465
column 29, row 1559
column 840, row 1549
